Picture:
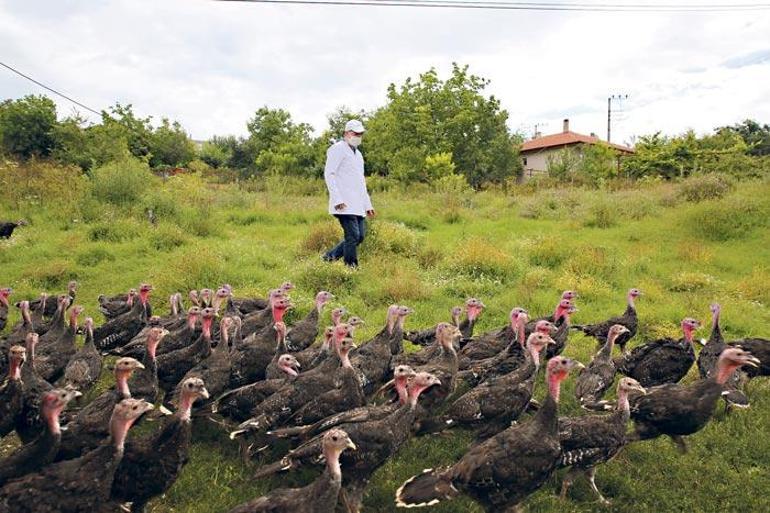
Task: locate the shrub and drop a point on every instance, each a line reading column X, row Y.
column 93, row 256
column 402, row 284
column 429, row 256
column 42, row 183
column 705, row 187
column 198, row 266
column 601, row 214
column 321, row 237
column 549, row 204
column 731, row 218
column 53, row 275
column 317, row 275
column 546, row 252
column 121, row 182
column 690, row 282
column 116, row 231
column 756, row 286
column 167, row 237
column 389, row 237
column 477, row 257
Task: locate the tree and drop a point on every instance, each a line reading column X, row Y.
column 91, row 146
column 137, row 131
column 27, row 126
column 599, row 162
column 431, row 116
column 756, row 136
column 280, row 145
column 170, row 145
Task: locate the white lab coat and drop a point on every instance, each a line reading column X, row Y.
column 344, row 175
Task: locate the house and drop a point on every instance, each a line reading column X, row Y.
column 536, row 152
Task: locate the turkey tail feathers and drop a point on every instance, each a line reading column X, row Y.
column 426, row 489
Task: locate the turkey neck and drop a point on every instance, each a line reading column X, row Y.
column 623, row 406
column 14, row 370
column 185, row 407
column 400, row 385
column 52, row 420
column 121, row 383
column 724, row 371
column 606, row 351
column 631, row 306
column 716, row 332
column 326, row 489
column 25, row 315
column 547, row 416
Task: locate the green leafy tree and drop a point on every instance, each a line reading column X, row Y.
column 215, row 155
column 560, row 165
column 170, row 145
column 27, row 126
column 430, row 116
column 756, row 136
column 598, row 163
column 280, row 145
column 89, row 146
column 137, row 131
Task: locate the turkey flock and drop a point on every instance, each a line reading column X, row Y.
column 343, row 406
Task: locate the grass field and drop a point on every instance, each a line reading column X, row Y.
column 685, row 245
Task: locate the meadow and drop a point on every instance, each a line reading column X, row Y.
column 683, row 244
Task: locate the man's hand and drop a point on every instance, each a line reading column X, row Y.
column 370, row 213
column 341, row 206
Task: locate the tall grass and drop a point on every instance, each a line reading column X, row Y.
column 684, row 245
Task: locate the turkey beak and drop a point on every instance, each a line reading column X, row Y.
column 138, row 365
column 639, row 388
column 703, row 342
column 350, row 445
column 752, row 361
column 295, row 365
column 551, row 342
column 204, row 393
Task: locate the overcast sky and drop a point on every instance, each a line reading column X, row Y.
column 210, row 65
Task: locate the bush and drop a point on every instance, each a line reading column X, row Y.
column 388, row 237
column 546, row 252
column 167, row 237
column 321, row 236
column 317, row 275
column 401, row 284
column 116, row 231
column 42, row 183
column 691, row 282
column 122, row 182
column 550, row 204
column 732, row 218
column 476, row 257
column 755, row 287
column 601, row 214
column 706, row 187
column 52, row 276
column 93, row 256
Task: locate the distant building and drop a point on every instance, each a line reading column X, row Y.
column 535, row 152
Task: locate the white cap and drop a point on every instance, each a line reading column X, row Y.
column 354, row 125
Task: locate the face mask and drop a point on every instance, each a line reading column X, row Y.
column 354, row 140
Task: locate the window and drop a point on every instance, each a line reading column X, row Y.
column 525, row 160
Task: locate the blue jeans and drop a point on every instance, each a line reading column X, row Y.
column 354, row 228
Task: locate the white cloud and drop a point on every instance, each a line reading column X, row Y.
column 212, row 64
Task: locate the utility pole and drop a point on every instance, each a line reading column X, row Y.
column 616, row 97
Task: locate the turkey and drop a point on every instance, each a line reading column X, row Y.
column 45, row 307
column 12, row 390
column 120, row 330
column 561, row 334
column 151, row 464
column 660, row 361
column 284, row 404
column 370, row 412
column 473, row 308
column 39, row 315
column 174, row 365
column 443, row 366
column 346, row 394
column 53, row 355
column 144, row 381
column 760, row 349
column 679, row 410
column 237, row 404
column 273, row 370
column 507, row 360
column 250, row 305
column 112, row 307
column 251, row 357
column 491, row 343
column 29, row 424
column 707, row 362
column 85, row 367
column 304, row 333
column 591, row 440
column 7, row 228
column 502, row 471
column 565, row 303
column 17, row 336
column 181, row 337
column 81, row 485
column 89, row 427
column 41, row 451
column 377, row 441
column 215, row 369
column 4, row 306
column 320, row 496
column 260, row 319
column 427, row 354
column 628, row 319
column 593, row 382
column 372, row 360
column 495, row 403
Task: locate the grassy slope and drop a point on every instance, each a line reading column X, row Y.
column 430, row 252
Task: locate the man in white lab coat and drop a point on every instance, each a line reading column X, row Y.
column 349, row 200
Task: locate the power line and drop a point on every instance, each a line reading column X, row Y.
column 528, row 6
column 50, row 88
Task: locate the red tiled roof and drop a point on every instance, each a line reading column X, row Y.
column 564, row 139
